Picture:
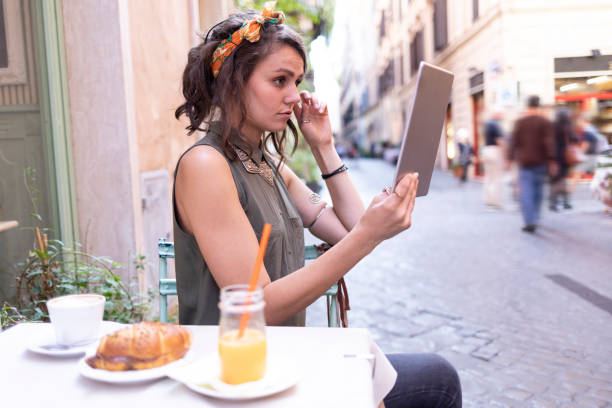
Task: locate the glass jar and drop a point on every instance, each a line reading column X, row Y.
column 243, row 358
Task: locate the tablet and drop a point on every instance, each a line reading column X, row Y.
column 424, row 126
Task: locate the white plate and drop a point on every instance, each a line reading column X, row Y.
column 46, row 337
column 202, row 376
column 130, row 376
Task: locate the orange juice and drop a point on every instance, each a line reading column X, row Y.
column 243, row 359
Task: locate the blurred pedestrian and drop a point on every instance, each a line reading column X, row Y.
column 465, row 152
column 532, row 147
column 492, row 158
column 592, row 143
column 353, row 154
column 564, row 136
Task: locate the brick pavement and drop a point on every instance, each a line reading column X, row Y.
column 466, row 283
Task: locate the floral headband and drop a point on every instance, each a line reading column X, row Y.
column 248, row 31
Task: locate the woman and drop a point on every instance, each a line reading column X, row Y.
column 240, row 86
column 564, row 136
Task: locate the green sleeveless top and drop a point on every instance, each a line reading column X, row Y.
column 262, row 201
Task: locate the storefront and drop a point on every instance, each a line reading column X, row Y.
column 584, row 84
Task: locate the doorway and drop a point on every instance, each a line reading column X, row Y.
column 478, row 136
column 26, row 172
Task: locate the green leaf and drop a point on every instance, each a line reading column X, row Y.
column 36, row 216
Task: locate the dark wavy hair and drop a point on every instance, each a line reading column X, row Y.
column 564, row 128
column 208, row 98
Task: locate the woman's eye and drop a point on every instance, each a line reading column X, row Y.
column 279, row 81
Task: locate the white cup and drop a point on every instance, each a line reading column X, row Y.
column 76, row 318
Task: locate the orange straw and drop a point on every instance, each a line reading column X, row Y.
column 255, row 274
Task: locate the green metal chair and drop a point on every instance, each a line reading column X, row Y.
column 167, row 287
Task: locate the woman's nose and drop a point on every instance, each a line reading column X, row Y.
column 293, row 96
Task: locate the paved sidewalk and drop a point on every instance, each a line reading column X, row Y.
column 526, row 319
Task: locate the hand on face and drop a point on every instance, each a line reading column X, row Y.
column 313, row 119
column 391, row 213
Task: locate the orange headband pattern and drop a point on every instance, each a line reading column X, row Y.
column 248, row 31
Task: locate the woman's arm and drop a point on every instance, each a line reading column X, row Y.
column 319, row 218
column 229, row 245
column 316, row 128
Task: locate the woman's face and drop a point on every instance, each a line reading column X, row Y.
column 271, row 92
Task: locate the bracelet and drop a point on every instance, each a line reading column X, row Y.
column 333, row 173
column 317, row 217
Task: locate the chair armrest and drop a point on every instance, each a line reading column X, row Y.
column 167, row 287
column 332, row 291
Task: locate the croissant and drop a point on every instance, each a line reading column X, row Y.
column 141, row 346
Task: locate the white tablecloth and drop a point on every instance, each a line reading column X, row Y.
column 326, row 377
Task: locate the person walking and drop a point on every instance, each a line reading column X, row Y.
column 492, row 158
column 592, row 143
column 564, row 135
column 532, row 147
column 465, row 153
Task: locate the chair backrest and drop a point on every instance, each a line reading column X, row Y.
column 167, row 286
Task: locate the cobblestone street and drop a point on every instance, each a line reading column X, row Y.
column 526, row 319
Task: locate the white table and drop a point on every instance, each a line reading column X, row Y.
column 327, row 377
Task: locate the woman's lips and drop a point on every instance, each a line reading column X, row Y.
column 285, row 115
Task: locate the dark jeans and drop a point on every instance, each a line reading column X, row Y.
column 423, row 381
column 531, row 182
column 465, row 167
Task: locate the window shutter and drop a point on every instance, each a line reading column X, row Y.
column 440, row 25
column 420, row 50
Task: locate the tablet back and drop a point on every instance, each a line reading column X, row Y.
column 424, row 126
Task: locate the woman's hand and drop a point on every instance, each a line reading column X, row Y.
column 313, row 120
column 390, row 213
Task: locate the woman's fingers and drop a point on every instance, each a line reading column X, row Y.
column 405, row 184
column 379, row 198
column 408, row 217
column 297, row 110
column 406, row 193
column 312, row 103
column 323, row 108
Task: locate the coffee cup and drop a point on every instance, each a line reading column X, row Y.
column 76, row 318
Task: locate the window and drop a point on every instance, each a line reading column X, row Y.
column 416, row 52
column 3, row 44
column 474, row 10
column 365, row 101
column 347, row 117
column 386, row 81
column 401, row 68
column 440, row 25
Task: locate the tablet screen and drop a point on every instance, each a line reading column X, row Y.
column 424, row 127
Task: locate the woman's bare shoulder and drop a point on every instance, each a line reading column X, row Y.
column 203, row 181
column 202, row 160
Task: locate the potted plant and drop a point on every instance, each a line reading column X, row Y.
column 53, row 269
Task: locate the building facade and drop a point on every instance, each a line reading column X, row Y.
column 87, row 96
column 501, row 51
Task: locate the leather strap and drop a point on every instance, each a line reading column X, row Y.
column 342, row 297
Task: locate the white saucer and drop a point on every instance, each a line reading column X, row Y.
column 130, row 376
column 202, row 376
column 46, row 337
column 127, row 377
